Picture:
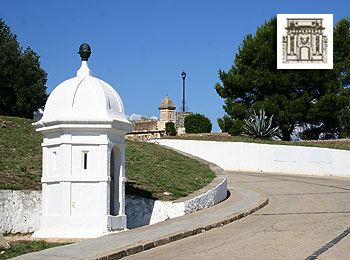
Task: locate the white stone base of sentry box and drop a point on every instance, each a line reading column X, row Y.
column 79, row 227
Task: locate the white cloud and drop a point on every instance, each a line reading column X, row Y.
column 134, row 116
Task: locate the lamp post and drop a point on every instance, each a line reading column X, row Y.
column 183, row 75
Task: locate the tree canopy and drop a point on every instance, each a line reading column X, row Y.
column 318, row 100
column 170, row 128
column 22, row 80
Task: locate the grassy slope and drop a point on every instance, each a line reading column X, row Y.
column 343, row 144
column 20, row 154
column 151, row 169
column 157, row 170
column 24, row 247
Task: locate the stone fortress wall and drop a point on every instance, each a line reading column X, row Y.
column 145, row 124
column 145, row 129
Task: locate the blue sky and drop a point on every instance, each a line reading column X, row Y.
column 141, row 47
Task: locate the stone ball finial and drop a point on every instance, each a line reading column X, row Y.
column 84, row 51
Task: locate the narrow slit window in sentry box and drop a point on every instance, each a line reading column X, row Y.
column 54, row 160
column 85, row 159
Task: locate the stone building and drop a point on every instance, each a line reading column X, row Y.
column 144, row 130
column 166, row 112
column 152, row 128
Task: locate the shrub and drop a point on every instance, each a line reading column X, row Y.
column 170, row 128
column 197, row 123
column 257, row 126
column 232, row 126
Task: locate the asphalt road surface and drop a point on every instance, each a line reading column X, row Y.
column 307, row 217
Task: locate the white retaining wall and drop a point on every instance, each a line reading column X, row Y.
column 236, row 156
column 20, row 211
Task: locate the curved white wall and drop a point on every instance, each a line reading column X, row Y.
column 20, row 210
column 236, row 156
column 142, row 211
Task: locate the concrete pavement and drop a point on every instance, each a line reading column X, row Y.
column 308, row 217
column 242, row 202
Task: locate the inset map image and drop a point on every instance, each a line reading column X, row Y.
column 305, row 41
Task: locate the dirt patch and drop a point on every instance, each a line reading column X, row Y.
column 28, row 237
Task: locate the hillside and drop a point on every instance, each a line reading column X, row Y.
column 151, row 170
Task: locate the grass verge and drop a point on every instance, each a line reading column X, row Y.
column 151, row 170
column 160, row 171
column 20, row 154
column 23, row 247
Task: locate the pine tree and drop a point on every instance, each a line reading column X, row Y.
column 22, row 80
column 294, row 97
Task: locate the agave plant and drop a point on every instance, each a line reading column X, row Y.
column 258, row 126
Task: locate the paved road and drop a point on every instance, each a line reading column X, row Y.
column 304, row 214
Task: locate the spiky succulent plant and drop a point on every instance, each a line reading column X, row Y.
column 259, row 126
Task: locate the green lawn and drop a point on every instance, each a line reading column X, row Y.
column 20, row 154
column 155, row 169
column 151, row 170
column 23, row 247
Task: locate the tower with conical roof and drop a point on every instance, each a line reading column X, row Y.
column 166, row 112
column 83, row 180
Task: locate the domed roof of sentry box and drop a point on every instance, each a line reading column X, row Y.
column 167, row 103
column 83, row 99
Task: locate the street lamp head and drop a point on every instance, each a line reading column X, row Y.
column 183, row 74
